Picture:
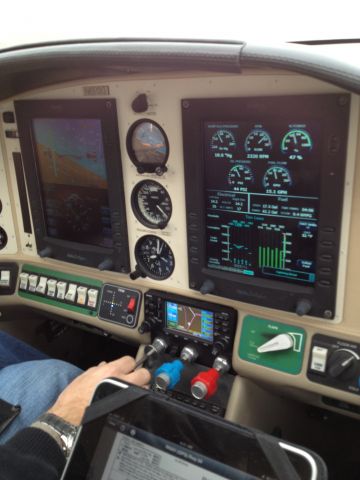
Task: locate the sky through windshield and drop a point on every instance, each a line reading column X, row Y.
column 262, row 20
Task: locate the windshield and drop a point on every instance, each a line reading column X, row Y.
column 36, row 21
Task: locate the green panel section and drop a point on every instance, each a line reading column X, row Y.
column 257, row 331
column 55, row 303
column 61, row 276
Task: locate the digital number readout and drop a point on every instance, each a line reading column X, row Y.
column 262, row 198
column 192, row 321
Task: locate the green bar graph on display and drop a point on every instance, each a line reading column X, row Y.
column 271, row 257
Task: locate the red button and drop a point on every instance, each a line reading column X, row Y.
column 131, row 305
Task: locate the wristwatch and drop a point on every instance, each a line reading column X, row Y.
column 62, row 432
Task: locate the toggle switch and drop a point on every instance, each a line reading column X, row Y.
column 71, row 293
column 92, row 297
column 5, row 278
column 284, row 341
column 61, row 290
column 319, row 357
column 33, row 279
column 41, row 287
column 24, row 280
column 131, row 307
column 51, row 287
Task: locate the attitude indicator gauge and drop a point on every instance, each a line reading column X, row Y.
column 154, row 258
column 296, row 143
column 258, row 143
column 277, row 178
column 148, row 147
column 240, row 176
column 151, row 204
column 223, row 144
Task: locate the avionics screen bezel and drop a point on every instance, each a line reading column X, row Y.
column 103, row 110
column 331, row 113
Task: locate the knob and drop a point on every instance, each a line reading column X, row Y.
column 46, row 252
column 146, row 326
column 222, row 365
column 343, row 364
column 137, row 273
column 284, row 341
column 189, row 354
column 205, row 384
column 168, row 374
column 219, row 347
column 140, row 104
column 207, row 287
column 303, row 307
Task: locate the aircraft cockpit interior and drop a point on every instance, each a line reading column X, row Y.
column 194, row 205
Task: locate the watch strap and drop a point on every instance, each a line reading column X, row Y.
column 62, row 432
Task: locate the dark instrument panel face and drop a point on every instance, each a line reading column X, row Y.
column 262, row 198
column 264, row 190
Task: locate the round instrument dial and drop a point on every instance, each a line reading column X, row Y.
column 154, row 257
column 240, row 176
column 223, row 144
column 3, row 238
column 151, row 204
column 258, row 142
column 277, row 178
column 148, row 146
column 296, row 142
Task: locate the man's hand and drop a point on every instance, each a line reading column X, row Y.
column 72, row 402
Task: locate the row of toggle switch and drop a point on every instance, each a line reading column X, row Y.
column 59, row 289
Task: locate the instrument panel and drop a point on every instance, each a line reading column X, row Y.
column 258, row 158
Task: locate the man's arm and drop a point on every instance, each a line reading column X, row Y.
column 36, row 454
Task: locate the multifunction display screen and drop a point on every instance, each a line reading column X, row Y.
column 72, row 172
column 262, row 198
column 192, row 321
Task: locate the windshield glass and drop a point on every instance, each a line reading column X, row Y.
column 37, row 21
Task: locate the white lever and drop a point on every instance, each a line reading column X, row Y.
column 284, row 341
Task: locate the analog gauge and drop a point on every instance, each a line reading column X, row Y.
column 148, row 147
column 154, row 257
column 79, row 214
column 151, row 204
column 240, row 176
column 258, row 142
column 223, row 144
column 295, row 143
column 277, row 178
column 3, row 238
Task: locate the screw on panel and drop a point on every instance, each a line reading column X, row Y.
column 186, row 104
column 328, row 314
column 342, row 100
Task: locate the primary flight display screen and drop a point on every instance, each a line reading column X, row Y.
column 262, row 184
column 73, row 179
column 190, row 320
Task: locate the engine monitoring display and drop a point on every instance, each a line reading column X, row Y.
column 192, row 321
column 72, row 171
column 262, row 185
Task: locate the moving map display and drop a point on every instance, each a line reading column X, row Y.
column 72, row 171
column 262, row 198
column 193, row 321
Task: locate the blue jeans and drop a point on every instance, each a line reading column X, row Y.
column 31, row 379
